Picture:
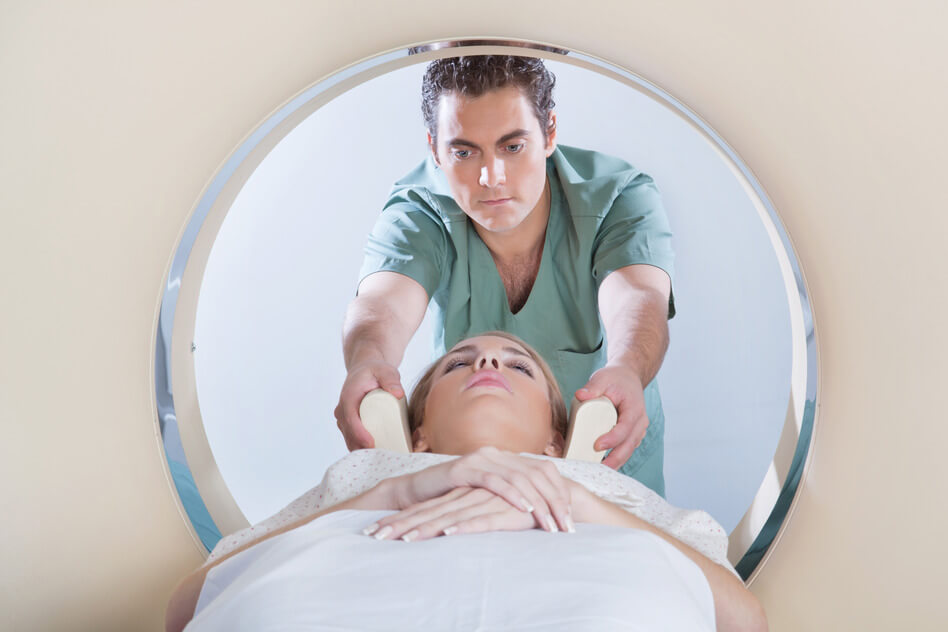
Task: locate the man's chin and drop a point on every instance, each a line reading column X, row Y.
column 496, row 224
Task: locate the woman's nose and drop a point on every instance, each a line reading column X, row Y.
column 487, row 361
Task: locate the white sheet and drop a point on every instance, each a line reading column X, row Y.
column 326, row 575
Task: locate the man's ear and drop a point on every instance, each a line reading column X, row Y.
column 556, row 446
column 431, row 146
column 418, row 441
column 551, row 135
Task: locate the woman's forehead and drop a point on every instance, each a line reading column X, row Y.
column 478, row 343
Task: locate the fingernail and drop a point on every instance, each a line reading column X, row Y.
column 372, row 528
column 450, row 530
column 384, row 532
column 551, row 524
column 411, row 535
column 570, row 526
column 525, row 504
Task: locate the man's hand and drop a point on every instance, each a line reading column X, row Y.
column 624, row 388
column 633, row 304
column 379, row 322
column 361, row 380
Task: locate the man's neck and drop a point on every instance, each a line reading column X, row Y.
column 523, row 243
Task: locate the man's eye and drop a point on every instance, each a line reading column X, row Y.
column 462, row 153
column 514, row 148
column 523, row 367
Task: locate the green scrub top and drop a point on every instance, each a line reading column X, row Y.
column 604, row 215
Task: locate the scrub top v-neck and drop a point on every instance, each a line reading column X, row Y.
column 487, row 282
column 604, row 215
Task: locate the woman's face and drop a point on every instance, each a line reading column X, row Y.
column 487, row 391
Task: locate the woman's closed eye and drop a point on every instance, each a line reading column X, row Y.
column 522, row 366
column 456, row 362
column 466, row 357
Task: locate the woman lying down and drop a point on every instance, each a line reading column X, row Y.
column 482, row 528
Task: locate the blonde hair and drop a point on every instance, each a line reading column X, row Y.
column 419, row 396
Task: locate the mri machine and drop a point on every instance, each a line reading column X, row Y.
column 119, row 121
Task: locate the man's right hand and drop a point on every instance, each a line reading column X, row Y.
column 379, row 322
column 361, row 380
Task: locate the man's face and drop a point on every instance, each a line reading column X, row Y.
column 493, row 153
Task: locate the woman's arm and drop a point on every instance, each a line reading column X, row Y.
column 469, row 510
column 735, row 607
column 536, row 487
column 185, row 597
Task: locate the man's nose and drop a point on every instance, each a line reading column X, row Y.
column 492, row 173
column 487, row 360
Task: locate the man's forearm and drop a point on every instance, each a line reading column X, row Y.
column 637, row 331
column 372, row 332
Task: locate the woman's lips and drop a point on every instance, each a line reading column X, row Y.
column 488, row 377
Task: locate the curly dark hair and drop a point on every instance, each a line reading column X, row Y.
column 475, row 75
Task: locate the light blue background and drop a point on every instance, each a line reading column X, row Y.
column 284, row 266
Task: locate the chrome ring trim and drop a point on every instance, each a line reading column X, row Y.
column 174, row 449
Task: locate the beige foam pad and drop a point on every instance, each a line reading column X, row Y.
column 386, row 418
column 588, row 421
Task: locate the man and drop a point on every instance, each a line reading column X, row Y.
column 502, row 229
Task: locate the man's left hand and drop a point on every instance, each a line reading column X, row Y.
column 624, row 388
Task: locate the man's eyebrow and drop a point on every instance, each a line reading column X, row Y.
column 460, row 142
column 514, row 134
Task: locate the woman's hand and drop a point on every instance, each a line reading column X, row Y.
column 462, row 510
column 534, row 486
column 475, row 510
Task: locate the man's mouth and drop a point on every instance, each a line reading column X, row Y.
column 488, row 377
column 496, row 202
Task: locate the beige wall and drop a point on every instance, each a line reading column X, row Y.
column 113, row 119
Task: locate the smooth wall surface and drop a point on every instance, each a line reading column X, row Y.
column 115, row 117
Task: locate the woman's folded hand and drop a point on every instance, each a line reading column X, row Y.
column 533, row 486
column 461, row 510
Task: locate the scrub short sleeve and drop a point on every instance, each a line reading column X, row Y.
column 408, row 240
column 635, row 230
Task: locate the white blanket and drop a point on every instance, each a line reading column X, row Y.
column 326, row 575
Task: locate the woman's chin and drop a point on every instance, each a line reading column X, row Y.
column 466, row 445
